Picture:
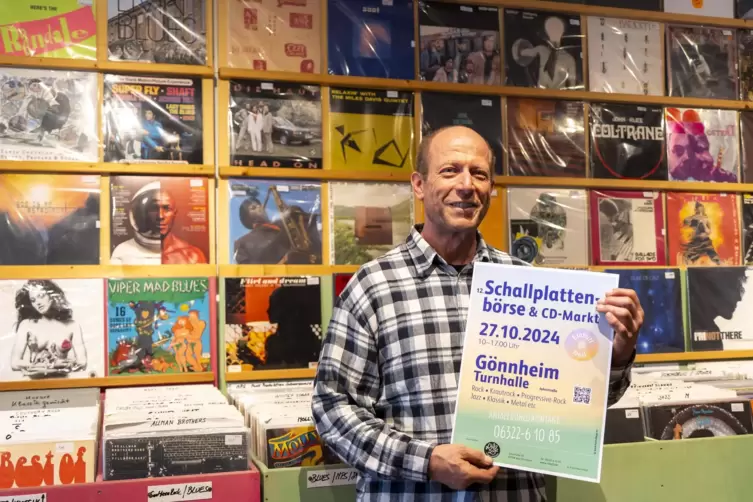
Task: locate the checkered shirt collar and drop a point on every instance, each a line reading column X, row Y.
column 425, row 257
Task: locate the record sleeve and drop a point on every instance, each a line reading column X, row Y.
column 275, row 222
column 716, row 8
column 662, row 299
column 654, row 5
column 272, row 322
column 371, row 38
column 746, row 140
column 275, row 35
column 627, row 228
column 548, row 226
column 545, row 138
column 702, row 61
column 747, row 229
column 49, row 219
column 368, row 219
column 159, row 325
column 153, row 120
column 459, row 43
column 683, row 421
column 543, row 49
column 64, row 29
column 483, row 114
column 744, row 9
column 625, row 56
column 745, row 46
column 157, row 31
column 52, row 329
column 48, row 115
column 275, row 124
column 371, row 130
column 627, row 141
column 702, row 145
column 703, row 229
column 159, row 220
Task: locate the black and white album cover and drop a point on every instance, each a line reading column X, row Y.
column 627, row 142
column 543, row 49
column 747, row 229
column 744, row 9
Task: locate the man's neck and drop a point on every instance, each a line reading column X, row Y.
column 457, row 248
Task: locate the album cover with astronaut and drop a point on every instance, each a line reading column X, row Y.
column 548, row 226
column 673, row 422
column 747, row 218
column 48, row 115
column 159, row 220
column 49, row 219
column 543, row 49
column 703, row 229
column 702, row 62
column 459, row 43
column 275, row 222
column 627, row 141
column 272, row 323
column 52, row 329
column 275, row 124
column 159, row 325
column 153, row 120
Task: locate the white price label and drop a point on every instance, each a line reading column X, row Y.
column 669, row 275
column 64, row 448
column 632, row 414
column 391, row 94
column 31, row 497
column 575, row 22
column 737, row 407
column 486, row 102
column 465, row 8
column 234, row 369
column 268, row 86
column 233, row 439
column 323, row 478
column 182, row 491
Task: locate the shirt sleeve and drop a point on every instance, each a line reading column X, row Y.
column 619, row 380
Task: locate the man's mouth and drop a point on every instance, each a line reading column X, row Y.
column 464, row 205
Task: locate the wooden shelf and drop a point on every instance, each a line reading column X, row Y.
column 107, row 66
column 314, row 174
column 111, row 381
column 254, row 376
column 106, row 168
column 283, row 270
column 49, row 63
column 109, row 271
column 694, row 356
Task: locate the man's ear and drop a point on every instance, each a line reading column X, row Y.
column 417, row 181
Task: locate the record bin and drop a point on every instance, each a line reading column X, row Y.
column 291, row 484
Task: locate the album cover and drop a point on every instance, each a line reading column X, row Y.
column 153, row 120
column 701, row 62
column 159, row 325
column 715, row 8
column 157, row 31
column 627, row 228
column 275, row 124
column 627, row 142
column 543, row 49
column 745, row 46
column 159, row 220
column 625, row 56
column 702, row 145
column 340, row 280
column 49, row 219
column 65, row 29
column 272, row 322
column 654, row 5
column 545, row 138
column 661, row 296
column 371, row 38
column 746, row 140
column 744, row 9
column 483, row 114
column 368, row 219
column 459, row 43
column 297, row 445
column 548, row 226
column 48, row 115
column 624, row 425
column 703, row 229
column 52, row 329
column 275, row 222
column 275, row 35
column 689, row 421
column 371, row 130
column 747, row 217
column 41, row 464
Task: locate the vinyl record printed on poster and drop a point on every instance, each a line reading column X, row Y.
column 459, row 43
column 543, row 49
column 157, row 31
column 159, row 326
column 159, row 220
column 275, row 223
column 627, row 142
column 275, row 124
column 272, row 323
column 483, row 114
column 546, row 138
column 53, row 329
column 49, row 219
column 747, row 217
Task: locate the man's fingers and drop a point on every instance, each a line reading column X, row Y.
column 476, row 457
column 484, row 476
column 617, row 326
column 621, row 316
column 622, row 301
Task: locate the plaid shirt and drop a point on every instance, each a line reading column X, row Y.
column 387, row 379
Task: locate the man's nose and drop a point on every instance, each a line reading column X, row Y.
column 465, row 181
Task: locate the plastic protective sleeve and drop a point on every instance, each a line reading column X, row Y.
column 716, row 8
column 746, row 142
column 745, row 50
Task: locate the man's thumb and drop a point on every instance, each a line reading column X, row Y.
column 476, row 457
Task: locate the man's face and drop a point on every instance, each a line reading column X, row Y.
column 488, row 44
column 688, row 151
column 167, row 213
column 149, row 115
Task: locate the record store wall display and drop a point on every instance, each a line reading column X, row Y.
column 49, row 220
column 371, row 38
column 158, row 326
column 276, row 222
column 159, row 220
column 153, row 120
column 715, row 8
column 371, row 130
column 747, row 220
column 275, row 124
column 459, row 43
column 543, row 49
column 157, row 31
column 52, row 329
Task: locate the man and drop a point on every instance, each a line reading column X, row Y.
column 699, row 248
column 267, row 125
column 689, row 150
column 386, row 383
column 153, row 137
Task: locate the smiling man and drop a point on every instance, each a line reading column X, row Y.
column 386, row 384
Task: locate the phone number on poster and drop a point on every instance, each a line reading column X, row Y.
column 491, row 332
column 513, row 432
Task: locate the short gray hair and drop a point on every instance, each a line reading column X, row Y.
column 422, row 155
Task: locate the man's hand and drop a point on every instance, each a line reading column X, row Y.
column 459, row 466
column 625, row 315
